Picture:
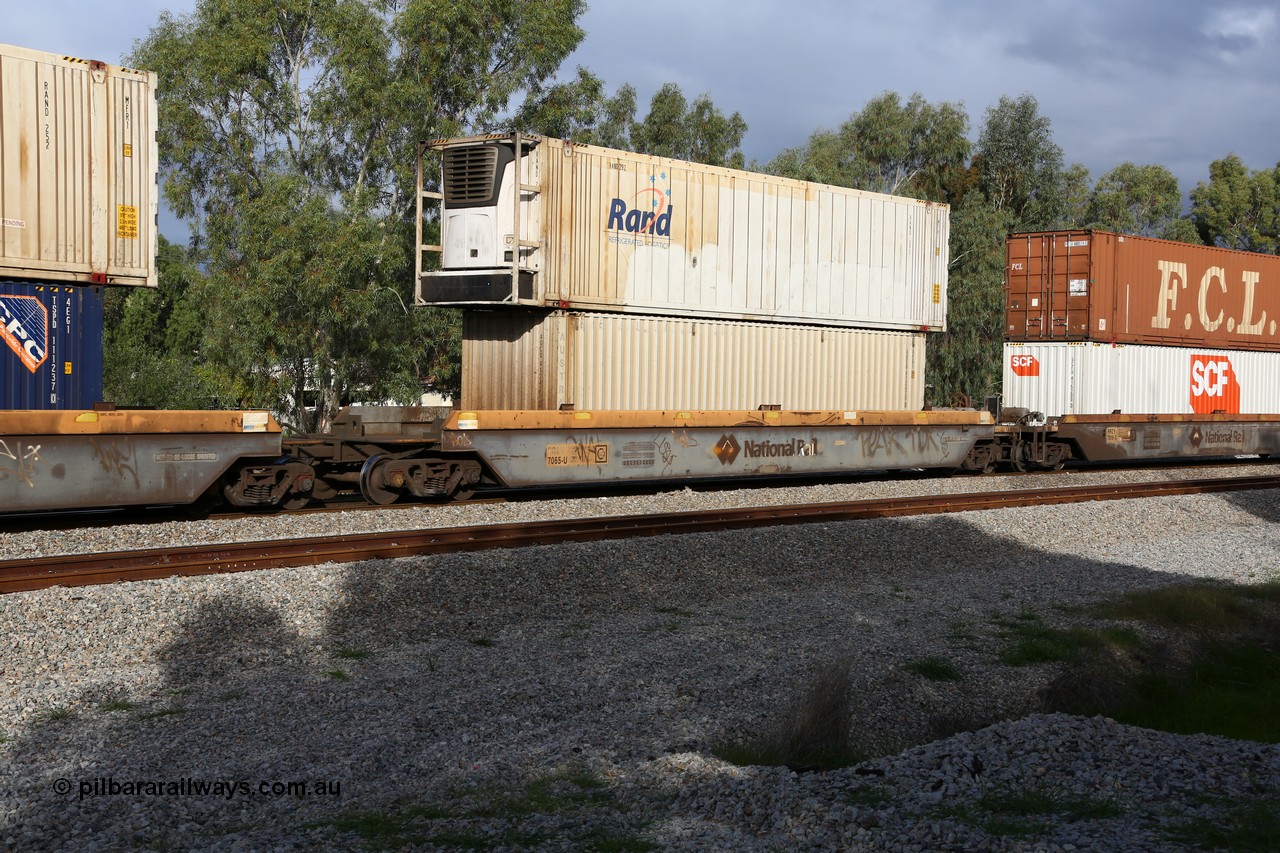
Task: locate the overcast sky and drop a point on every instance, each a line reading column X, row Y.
column 1174, row 82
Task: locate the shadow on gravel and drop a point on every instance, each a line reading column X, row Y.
column 1264, row 504
column 419, row 699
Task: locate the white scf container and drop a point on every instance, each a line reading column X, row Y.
column 1099, row 379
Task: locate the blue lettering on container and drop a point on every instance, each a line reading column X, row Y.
column 635, row 221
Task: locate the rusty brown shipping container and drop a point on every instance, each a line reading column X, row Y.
column 1121, row 289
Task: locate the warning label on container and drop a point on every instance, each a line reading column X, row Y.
column 564, row 455
column 24, row 325
column 126, row 222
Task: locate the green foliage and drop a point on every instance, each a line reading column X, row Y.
column 1213, row 666
column 1237, row 209
column 697, row 131
column 935, row 669
column 288, row 135
column 963, row 363
column 915, row 149
column 1136, row 199
column 1248, row 826
column 1010, row 812
column 1020, row 164
column 546, row 809
column 154, row 341
column 579, row 110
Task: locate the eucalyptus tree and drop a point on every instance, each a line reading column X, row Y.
column 1020, row 165
column 913, row 149
column 1238, row 209
column 580, row 110
column 697, row 131
column 288, row 137
column 154, row 339
column 964, row 362
column 1143, row 200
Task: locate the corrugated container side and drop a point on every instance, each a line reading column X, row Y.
column 534, row 360
column 79, row 162
column 1118, row 288
column 50, row 346
column 1097, row 379
column 618, row 231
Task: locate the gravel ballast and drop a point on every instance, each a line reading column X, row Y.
column 569, row 697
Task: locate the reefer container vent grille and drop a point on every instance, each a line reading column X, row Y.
column 469, row 174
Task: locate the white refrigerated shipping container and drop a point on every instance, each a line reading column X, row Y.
column 1098, row 379
column 541, row 222
column 539, row 360
column 78, row 155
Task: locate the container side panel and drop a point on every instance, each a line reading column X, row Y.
column 50, row 346
column 79, row 195
column 630, row 362
column 1115, row 288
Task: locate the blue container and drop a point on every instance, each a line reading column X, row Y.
column 50, row 346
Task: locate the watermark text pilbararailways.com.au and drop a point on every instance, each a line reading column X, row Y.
column 115, row 786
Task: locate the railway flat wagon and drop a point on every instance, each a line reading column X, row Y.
column 51, row 350
column 545, row 223
column 59, row 460
column 78, row 198
column 1121, row 289
column 595, row 361
column 524, row 449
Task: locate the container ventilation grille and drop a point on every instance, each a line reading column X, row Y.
column 469, row 174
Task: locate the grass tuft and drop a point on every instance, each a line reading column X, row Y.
column 1212, row 665
column 350, row 653
column 55, row 714
column 163, row 712
column 814, row 734
column 116, row 705
column 935, row 669
column 1020, row 813
column 1252, row 826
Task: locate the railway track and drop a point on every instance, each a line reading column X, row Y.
column 88, row 569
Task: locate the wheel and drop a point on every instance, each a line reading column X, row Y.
column 372, row 485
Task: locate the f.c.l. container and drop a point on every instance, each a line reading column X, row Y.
column 537, row 360
column 50, row 346
column 1098, row 379
column 541, row 222
column 1117, row 288
column 78, row 201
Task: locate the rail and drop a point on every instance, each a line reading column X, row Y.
column 87, row 569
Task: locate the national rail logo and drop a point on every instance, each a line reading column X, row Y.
column 24, row 325
column 1214, row 386
column 727, row 449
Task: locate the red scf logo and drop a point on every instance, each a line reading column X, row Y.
column 1213, row 385
column 1025, row 365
